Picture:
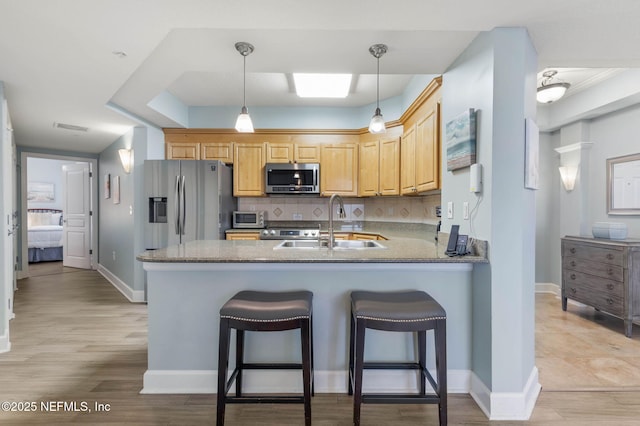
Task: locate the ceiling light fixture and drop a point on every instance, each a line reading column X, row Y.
column 548, row 91
column 322, row 85
column 243, row 123
column 377, row 121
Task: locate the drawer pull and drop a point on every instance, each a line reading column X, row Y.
column 573, row 263
column 572, row 276
column 572, row 249
column 610, row 301
column 573, row 290
column 610, row 286
column 610, row 271
column 610, row 256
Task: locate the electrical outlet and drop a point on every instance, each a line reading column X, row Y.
column 297, row 216
column 114, row 255
column 450, row 210
column 465, row 210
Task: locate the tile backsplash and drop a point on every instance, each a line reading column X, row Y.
column 420, row 209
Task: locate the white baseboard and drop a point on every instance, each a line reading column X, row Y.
column 5, row 344
column 548, row 288
column 205, row 381
column 135, row 296
column 507, row 405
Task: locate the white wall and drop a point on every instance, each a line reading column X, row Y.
column 6, row 207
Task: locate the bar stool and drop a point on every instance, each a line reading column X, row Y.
column 405, row 311
column 264, row 311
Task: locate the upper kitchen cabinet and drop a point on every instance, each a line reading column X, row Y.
column 222, row 151
column 379, row 171
column 339, row 169
column 182, row 151
column 420, row 146
column 282, row 152
column 248, row 169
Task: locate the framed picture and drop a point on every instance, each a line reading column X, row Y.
column 531, row 143
column 460, row 140
column 116, row 190
column 41, row 192
column 107, row 186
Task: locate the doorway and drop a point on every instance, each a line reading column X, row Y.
column 44, row 185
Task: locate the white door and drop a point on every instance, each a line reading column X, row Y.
column 77, row 216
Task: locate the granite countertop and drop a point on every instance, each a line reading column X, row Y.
column 397, row 250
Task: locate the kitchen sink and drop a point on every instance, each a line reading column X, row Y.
column 339, row 245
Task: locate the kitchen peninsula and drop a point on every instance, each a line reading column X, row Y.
column 188, row 283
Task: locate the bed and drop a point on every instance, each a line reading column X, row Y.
column 44, row 230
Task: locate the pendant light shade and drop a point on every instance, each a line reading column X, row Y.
column 550, row 91
column 377, row 121
column 243, row 123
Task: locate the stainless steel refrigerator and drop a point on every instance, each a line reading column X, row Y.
column 187, row 200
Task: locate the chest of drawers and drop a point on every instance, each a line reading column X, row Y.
column 604, row 274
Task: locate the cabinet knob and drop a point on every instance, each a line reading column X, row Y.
column 610, row 286
column 573, row 263
column 572, row 249
column 572, row 276
column 610, row 271
column 610, row 301
column 573, row 290
column 609, row 256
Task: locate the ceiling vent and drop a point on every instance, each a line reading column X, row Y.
column 70, row 127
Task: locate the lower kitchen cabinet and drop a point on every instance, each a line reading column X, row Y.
column 249, row 235
column 604, row 274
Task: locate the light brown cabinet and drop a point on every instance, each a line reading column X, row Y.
column 249, row 235
column 222, row 151
column 339, row 169
column 420, row 144
column 182, row 151
column 248, row 169
column 604, row 274
column 379, row 167
column 292, row 153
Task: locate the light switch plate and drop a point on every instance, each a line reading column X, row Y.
column 465, row 210
column 450, row 210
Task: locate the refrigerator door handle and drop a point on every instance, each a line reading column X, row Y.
column 184, row 207
column 176, row 205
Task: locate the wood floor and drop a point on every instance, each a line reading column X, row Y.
column 75, row 339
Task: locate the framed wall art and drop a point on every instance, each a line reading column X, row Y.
column 116, row 190
column 107, row 186
column 460, row 134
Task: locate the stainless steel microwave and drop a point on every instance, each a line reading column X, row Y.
column 292, row 178
column 249, row 219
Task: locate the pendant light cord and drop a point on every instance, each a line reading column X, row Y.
column 244, row 81
column 378, row 85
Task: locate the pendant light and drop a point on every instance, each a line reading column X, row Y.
column 243, row 123
column 549, row 91
column 377, row 121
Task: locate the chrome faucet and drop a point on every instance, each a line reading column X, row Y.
column 341, row 215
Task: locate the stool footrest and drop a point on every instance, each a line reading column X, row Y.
column 400, row 399
column 391, row 365
column 275, row 399
column 271, row 366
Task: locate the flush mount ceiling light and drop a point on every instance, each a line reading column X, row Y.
column 549, row 91
column 377, row 121
column 243, row 123
column 322, row 85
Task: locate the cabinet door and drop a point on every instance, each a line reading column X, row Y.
column 369, row 169
column 248, row 169
column 306, row 153
column 183, row 151
column 389, row 176
column 222, row 151
column 243, row 236
column 339, row 169
column 427, row 152
column 279, row 152
column 408, row 161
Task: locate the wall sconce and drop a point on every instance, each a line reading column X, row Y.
column 568, row 174
column 126, row 158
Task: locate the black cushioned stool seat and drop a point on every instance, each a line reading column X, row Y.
column 264, row 311
column 404, row 311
